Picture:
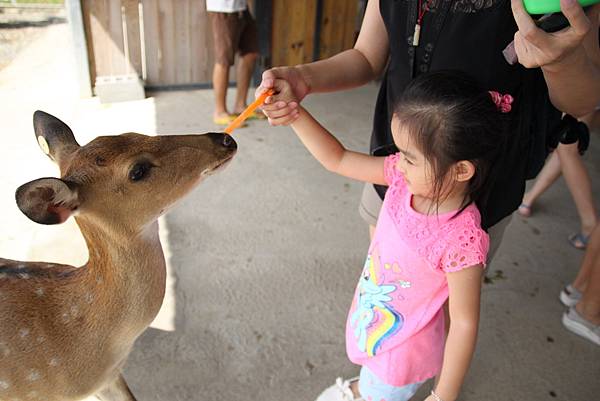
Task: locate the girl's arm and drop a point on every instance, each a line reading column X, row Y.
column 332, row 154
column 465, row 290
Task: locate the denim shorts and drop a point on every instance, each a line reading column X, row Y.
column 371, row 388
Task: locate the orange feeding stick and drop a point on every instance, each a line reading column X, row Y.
column 246, row 113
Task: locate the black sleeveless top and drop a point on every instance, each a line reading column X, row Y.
column 467, row 35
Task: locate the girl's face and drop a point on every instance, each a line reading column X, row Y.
column 417, row 171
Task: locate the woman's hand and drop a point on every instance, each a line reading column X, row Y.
column 290, row 88
column 551, row 51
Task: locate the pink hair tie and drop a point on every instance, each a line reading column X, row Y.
column 503, row 102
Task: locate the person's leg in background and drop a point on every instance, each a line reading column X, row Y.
column 544, row 180
column 220, row 82
column 248, row 50
column 579, row 184
column 225, row 38
column 583, row 315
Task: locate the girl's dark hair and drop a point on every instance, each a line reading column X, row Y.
column 451, row 118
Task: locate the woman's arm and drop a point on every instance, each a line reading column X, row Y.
column 465, row 292
column 567, row 57
column 332, row 154
column 348, row 69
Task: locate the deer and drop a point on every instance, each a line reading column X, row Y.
column 65, row 331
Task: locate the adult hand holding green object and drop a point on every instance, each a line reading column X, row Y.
column 550, row 6
column 551, row 50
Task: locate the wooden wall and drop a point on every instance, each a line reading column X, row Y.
column 296, row 23
column 338, row 27
column 176, row 35
column 169, row 42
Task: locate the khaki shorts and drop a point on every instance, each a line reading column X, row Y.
column 370, row 204
column 232, row 33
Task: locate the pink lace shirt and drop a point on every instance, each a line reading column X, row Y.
column 395, row 326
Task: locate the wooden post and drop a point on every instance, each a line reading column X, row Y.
column 82, row 66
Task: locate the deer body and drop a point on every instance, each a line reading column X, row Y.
column 65, row 332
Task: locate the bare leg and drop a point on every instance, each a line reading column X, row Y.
column 244, row 73
column 546, row 177
column 578, row 181
column 220, row 83
column 592, row 256
column 589, row 305
column 116, row 391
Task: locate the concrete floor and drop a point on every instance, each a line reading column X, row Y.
column 263, row 257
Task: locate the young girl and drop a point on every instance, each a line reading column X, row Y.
column 428, row 245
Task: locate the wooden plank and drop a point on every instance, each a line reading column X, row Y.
column 87, row 22
column 167, row 42
column 82, row 60
column 279, row 34
column 338, row 24
column 100, row 48
column 292, row 35
column 351, row 25
column 132, row 24
column 105, row 26
column 116, row 43
column 201, row 47
column 152, row 41
column 309, row 31
column 181, row 43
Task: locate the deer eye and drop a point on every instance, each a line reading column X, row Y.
column 139, row 171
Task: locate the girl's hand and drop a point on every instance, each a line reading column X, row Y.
column 536, row 48
column 290, row 88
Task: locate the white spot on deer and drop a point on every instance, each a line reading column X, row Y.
column 4, row 350
column 32, row 394
column 2, row 275
column 54, row 362
column 33, row 375
column 41, row 339
column 4, row 385
column 24, row 333
column 88, row 298
column 65, row 318
column 39, row 292
column 24, row 275
column 21, row 266
column 74, row 310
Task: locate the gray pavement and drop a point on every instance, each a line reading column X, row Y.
column 263, row 257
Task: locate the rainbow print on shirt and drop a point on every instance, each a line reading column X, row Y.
column 374, row 320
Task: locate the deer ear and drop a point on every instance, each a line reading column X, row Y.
column 54, row 137
column 47, row 200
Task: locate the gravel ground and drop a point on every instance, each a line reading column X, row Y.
column 21, row 26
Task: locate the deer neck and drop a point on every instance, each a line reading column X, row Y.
column 126, row 268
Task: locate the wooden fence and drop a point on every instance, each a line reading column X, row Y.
column 169, row 42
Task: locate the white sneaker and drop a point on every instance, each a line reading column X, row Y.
column 574, row 322
column 340, row 391
column 569, row 296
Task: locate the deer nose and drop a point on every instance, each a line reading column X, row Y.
column 223, row 140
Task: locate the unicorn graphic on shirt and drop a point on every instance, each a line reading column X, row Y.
column 374, row 320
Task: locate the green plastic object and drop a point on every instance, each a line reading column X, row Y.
column 550, row 6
